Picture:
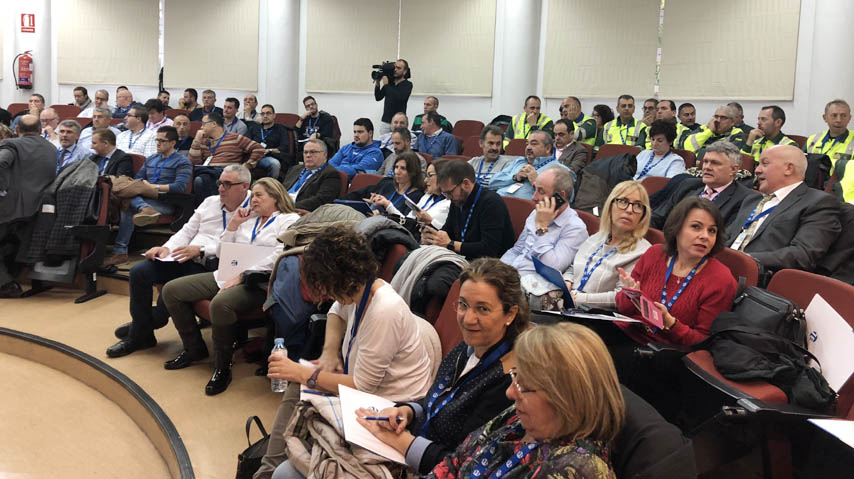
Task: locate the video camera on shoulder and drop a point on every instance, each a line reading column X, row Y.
column 386, row 69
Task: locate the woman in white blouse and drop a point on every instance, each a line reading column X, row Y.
column 433, row 205
column 270, row 213
column 593, row 279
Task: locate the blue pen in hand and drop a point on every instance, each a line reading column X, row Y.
column 381, row 418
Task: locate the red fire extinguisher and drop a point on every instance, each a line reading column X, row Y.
column 25, row 70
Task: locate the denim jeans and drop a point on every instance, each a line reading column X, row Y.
column 143, row 277
column 271, row 165
column 126, row 222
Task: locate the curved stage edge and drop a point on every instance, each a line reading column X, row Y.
column 114, row 385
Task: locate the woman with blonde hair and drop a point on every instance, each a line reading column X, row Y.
column 593, row 278
column 568, row 407
column 270, row 213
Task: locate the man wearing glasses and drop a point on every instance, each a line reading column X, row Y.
column 720, row 127
column 314, row 182
column 273, row 137
column 50, row 121
column 192, row 248
column 165, row 171
column 478, row 223
column 137, row 138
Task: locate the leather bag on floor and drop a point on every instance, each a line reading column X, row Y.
column 249, row 460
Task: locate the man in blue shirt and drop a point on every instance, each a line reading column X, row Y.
column 167, row 170
column 433, row 140
column 69, row 151
column 361, row 156
column 518, row 178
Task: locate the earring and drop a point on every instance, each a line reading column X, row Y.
column 507, row 323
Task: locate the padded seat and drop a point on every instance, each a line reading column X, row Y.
column 702, row 364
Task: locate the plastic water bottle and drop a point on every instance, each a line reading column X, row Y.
column 279, row 385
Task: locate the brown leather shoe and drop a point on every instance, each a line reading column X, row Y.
column 146, row 216
column 115, row 259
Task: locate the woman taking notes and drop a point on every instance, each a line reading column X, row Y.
column 433, row 205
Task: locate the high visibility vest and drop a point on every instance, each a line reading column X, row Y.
column 761, row 145
column 585, row 129
column 705, row 136
column 821, row 143
column 521, row 128
column 615, row 132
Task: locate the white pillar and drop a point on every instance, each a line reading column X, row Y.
column 831, row 69
column 278, row 81
column 517, row 33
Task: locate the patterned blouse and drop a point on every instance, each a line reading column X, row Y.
column 556, row 459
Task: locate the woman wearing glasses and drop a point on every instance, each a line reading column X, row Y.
column 408, row 179
column 433, row 205
column 567, row 407
column 469, row 387
column 593, row 278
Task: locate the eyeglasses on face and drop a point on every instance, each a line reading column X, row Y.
column 447, row 194
column 624, row 204
column 227, row 184
column 514, row 376
column 311, row 152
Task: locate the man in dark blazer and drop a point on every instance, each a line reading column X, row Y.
column 716, row 183
column 27, row 169
column 791, row 225
column 111, row 161
column 314, row 182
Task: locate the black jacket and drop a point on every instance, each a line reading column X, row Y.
column 490, row 232
column 323, row 186
column 728, row 201
column 323, row 126
column 120, row 164
column 396, row 97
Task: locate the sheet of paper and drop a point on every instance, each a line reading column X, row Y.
column 167, row 259
column 831, row 339
column 842, row 429
column 351, row 400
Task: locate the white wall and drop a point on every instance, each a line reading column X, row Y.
column 823, row 71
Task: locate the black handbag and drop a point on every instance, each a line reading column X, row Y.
column 771, row 312
column 249, row 460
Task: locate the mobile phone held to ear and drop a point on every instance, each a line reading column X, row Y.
column 559, row 201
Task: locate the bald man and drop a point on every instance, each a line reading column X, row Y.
column 791, row 225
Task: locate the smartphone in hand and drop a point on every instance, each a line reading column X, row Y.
column 559, row 201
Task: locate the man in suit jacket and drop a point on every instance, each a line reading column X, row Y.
column 792, row 225
column 717, row 183
column 27, row 169
column 315, row 182
column 111, row 161
column 569, row 152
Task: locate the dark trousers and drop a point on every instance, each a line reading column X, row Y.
column 204, row 182
column 143, row 277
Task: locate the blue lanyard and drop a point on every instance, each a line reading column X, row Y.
column 394, row 194
column 224, row 224
column 483, row 461
column 213, row 150
column 429, row 204
column 468, row 218
column 542, row 165
column 491, row 166
column 156, row 175
column 264, row 133
column 360, row 311
column 255, row 230
column 311, row 126
column 431, row 412
column 623, row 138
column 669, row 304
column 303, row 177
column 429, row 144
column 231, row 126
column 755, row 217
column 827, row 137
column 588, row 272
column 130, row 140
column 182, row 143
column 652, row 165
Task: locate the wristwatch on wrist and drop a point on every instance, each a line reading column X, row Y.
column 451, row 246
column 312, row 381
column 542, row 231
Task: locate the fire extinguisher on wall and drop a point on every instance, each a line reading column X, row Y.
column 23, row 74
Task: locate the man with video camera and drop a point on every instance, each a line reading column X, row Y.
column 391, row 82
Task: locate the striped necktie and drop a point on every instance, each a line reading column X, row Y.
column 751, row 230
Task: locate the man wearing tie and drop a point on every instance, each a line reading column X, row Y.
column 69, row 150
column 111, row 161
column 314, row 182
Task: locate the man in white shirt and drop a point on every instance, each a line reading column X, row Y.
column 399, row 120
column 100, row 119
column 186, row 252
column 50, row 122
column 137, row 138
column 229, row 114
column 102, row 100
column 492, row 161
column 250, row 112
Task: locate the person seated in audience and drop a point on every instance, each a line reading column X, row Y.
column 69, row 151
column 433, row 140
column 273, row 137
column 835, row 142
column 370, row 326
column 82, row 100
column 229, row 115
column 137, row 138
column 602, row 114
column 27, row 169
column 431, row 103
column 517, row 179
column 665, row 111
column 624, row 130
column 593, row 278
column 688, row 117
column 478, row 222
column 214, row 148
column 273, row 212
column 720, row 163
column 528, row 121
column 584, row 127
column 491, row 314
column 361, row 156
column 492, row 161
column 189, row 101
column 433, row 205
column 568, row 409
column 399, row 120
column 164, row 96
column 790, row 225
column 767, row 132
column 101, row 100
column 208, row 106
column 192, row 248
column 569, row 152
column 400, row 144
column 36, row 105
column 185, row 141
column 553, row 232
column 111, row 161
column 738, row 117
column 124, row 103
column 660, row 160
column 314, row 123
column 50, row 122
column 314, row 182
column 100, row 121
column 249, row 113
column 156, row 115
column 167, row 170
column 6, row 132
column 408, row 180
column 720, row 128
